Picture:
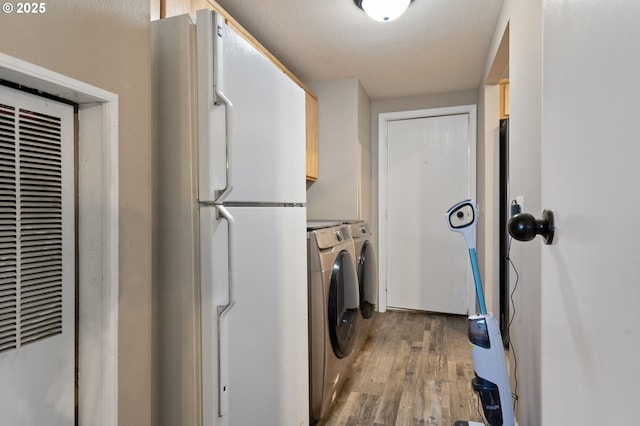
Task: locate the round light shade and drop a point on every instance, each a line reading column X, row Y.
column 385, row 10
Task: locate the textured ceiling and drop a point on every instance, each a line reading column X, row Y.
column 436, row 46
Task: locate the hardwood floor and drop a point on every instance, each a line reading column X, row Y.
column 415, row 369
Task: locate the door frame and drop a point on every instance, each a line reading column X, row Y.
column 383, row 120
column 98, row 228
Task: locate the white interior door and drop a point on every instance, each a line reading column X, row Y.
column 428, row 170
column 37, row 267
column 590, row 175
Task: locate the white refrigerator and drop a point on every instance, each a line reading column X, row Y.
column 231, row 229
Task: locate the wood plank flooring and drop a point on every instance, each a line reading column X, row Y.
column 415, row 369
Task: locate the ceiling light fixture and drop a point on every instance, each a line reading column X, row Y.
column 383, row 10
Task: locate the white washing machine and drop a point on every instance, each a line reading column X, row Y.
column 367, row 269
column 334, row 314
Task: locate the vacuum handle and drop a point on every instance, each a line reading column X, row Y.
column 462, row 218
column 478, row 281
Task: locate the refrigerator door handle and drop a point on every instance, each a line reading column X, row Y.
column 210, row 77
column 221, row 99
column 222, row 313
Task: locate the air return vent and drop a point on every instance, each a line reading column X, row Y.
column 30, row 227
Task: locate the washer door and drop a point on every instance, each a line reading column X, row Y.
column 368, row 279
column 343, row 305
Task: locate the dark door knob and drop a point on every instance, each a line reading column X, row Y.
column 524, row 227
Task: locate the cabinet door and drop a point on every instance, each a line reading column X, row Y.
column 312, row 137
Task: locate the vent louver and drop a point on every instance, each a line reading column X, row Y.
column 8, row 230
column 40, row 226
column 30, row 227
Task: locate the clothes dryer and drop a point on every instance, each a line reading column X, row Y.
column 367, row 269
column 334, row 314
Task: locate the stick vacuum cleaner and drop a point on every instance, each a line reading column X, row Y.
column 492, row 379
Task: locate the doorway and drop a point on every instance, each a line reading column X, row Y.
column 97, row 205
column 427, row 162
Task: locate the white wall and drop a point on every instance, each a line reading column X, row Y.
column 524, row 23
column 107, row 45
column 590, row 174
column 344, row 152
column 365, row 143
column 488, row 196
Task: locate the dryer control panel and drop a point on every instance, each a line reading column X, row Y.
column 331, row 237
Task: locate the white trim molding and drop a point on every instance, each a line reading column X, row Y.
column 383, row 120
column 98, row 233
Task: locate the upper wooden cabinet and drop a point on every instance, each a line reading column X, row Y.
column 312, row 136
column 169, row 8
column 504, row 98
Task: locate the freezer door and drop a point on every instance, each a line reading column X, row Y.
column 251, row 121
column 262, row 340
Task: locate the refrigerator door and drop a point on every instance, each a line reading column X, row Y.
column 251, row 121
column 262, row 340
